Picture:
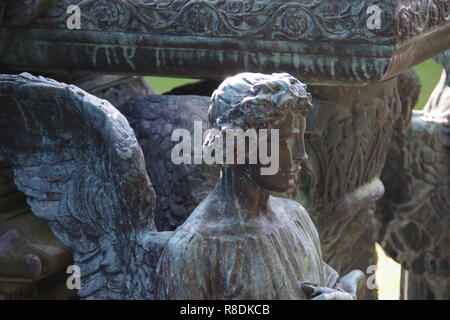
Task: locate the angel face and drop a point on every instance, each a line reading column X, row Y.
column 291, row 155
column 258, row 101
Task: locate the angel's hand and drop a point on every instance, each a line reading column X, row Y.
column 352, row 282
column 346, row 288
column 323, row 293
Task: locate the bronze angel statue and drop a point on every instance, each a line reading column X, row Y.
column 78, row 162
column 414, row 215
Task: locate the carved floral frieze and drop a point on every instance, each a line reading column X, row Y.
column 268, row 19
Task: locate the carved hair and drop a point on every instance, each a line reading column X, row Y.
column 254, row 101
column 257, row 101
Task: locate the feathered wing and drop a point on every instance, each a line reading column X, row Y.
column 77, row 160
column 416, row 209
column 179, row 188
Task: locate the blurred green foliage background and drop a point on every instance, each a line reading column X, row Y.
column 388, row 271
column 429, row 73
column 162, row 85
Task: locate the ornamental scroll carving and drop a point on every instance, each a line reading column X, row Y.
column 418, row 16
column 308, row 20
column 266, row 19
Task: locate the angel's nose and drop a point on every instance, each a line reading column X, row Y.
column 300, row 151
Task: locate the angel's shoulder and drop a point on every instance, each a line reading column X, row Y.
column 293, row 210
column 290, row 207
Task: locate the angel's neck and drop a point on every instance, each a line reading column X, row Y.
column 242, row 196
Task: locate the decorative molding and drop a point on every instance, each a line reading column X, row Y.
column 264, row 19
column 321, row 42
column 419, row 16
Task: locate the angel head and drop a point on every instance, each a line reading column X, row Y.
column 275, row 107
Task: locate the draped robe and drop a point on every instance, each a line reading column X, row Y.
column 266, row 257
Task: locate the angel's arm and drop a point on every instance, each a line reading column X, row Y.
column 333, row 287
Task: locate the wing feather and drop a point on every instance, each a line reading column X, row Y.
column 179, row 188
column 78, row 162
